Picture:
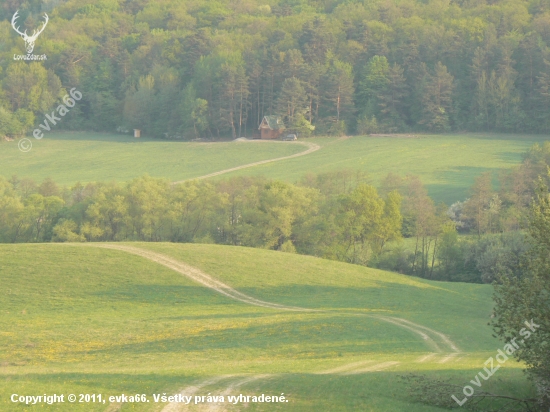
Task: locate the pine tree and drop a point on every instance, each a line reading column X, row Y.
column 338, row 94
column 391, row 100
column 292, row 101
column 437, row 99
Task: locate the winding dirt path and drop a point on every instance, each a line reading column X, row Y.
column 234, row 386
column 443, row 337
column 201, row 277
column 208, row 281
column 312, row 147
column 192, row 390
column 374, row 368
column 425, row 358
column 345, row 368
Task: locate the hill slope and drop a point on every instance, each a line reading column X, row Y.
column 85, row 319
column 447, row 164
column 87, row 157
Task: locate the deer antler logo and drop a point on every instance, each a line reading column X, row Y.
column 29, row 40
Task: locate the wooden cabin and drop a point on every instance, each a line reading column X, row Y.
column 271, row 127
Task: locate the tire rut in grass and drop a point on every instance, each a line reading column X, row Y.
column 192, row 390
column 423, row 331
column 312, row 147
column 229, row 390
column 345, row 368
column 373, row 368
column 201, row 277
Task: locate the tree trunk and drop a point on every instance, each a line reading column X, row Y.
column 433, row 259
column 415, row 255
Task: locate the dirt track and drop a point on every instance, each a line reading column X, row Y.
column 355, row 368
column 199, row 276
column 312, row 148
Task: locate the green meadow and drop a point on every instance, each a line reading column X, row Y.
column 447, row 164
column 86, row 157
column 81, row 319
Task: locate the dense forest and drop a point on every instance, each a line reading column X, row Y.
column 208, row 68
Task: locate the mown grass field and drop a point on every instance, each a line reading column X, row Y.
column 447, row 164
column 71, row 157
column 79, row 319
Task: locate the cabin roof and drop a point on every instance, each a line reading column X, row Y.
column 272, row 122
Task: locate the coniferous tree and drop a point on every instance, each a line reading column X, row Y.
column 292, row 102
column 437, row 99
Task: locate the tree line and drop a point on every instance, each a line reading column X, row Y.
column 184, row 69
column 482, row 235
column 338, row 215
column 347, row 224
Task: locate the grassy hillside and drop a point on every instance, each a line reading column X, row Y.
column 447, row 164
column 79, row 319
column 71, row 157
